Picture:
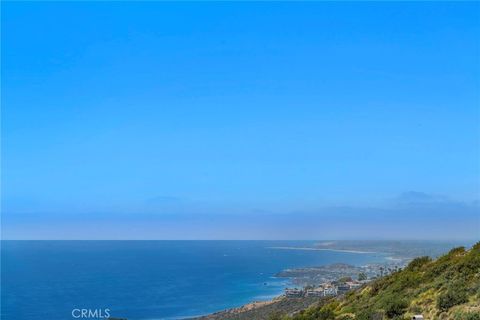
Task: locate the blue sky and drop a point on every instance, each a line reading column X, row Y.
column 240, row 120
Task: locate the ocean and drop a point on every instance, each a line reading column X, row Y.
column 140, row 280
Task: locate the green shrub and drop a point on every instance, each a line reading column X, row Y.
column 467, row 316
column 453, row 296
column 275, row 316
column 418, row 263
column 369, row 315
column 406, row 279
column 470, row 265
column 476, row 246
column 456, row 251
column 395, row 307
column 364, row 315
column 472, row 316
column 325, row 314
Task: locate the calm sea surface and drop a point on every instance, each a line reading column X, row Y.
column 46, row 280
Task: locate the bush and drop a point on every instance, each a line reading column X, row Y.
column 418, row 263
column 467, row 316
column 452, row 297
column 470, row 265
column 369, row 315
column 472, row 316
column 395, row 307
column 456, row 251
column 275, row 316
column 325, row 314
column 364, row 315
column 476, row 246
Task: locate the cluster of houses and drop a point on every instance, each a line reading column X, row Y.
column 324, row 290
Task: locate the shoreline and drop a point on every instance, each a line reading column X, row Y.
column 256, row 304
column 321, row 249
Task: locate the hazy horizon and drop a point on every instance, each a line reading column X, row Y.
column 164, row 120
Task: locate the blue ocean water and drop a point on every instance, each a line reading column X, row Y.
column 148, row 279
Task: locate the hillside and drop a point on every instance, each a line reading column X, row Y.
column 441, row 289
column 260, row 311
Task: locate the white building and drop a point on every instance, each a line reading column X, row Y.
column 293, row 293
column 330, row 291
column 318, row 292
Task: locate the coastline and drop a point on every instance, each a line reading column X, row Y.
column 251, row 306
column 262, row 309
column 257, row 307
column 321, row 249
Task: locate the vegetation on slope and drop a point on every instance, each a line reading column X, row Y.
column 273, row 310
column 444, row 289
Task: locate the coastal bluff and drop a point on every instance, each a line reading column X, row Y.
column 262, row 309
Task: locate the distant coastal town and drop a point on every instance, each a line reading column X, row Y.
column 335, row 279
column 424, row 288
column 312, row 284
column 309, row 285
